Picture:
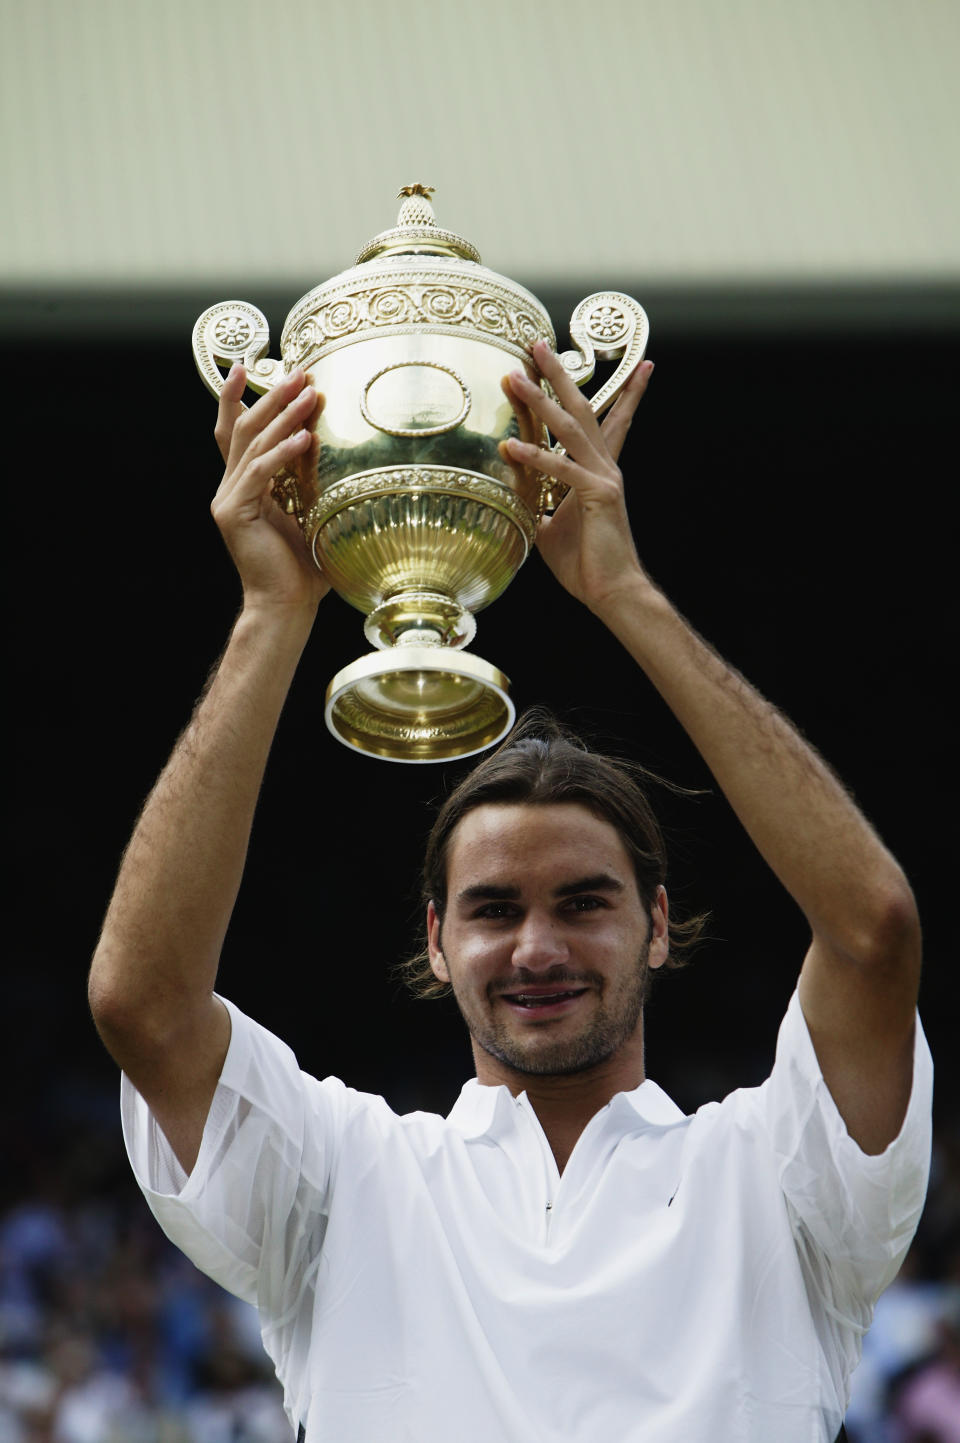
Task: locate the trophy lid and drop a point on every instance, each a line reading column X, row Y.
column 415, row 253
column 416, row 232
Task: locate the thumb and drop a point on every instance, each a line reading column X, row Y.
column 617, row 423
column 230, row 409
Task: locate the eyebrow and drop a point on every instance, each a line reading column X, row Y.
column 502, row 892
column 599, row 882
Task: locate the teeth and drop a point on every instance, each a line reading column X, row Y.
column 542, row 999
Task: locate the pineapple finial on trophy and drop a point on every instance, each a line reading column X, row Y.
column 417, row 232
column 416, row 208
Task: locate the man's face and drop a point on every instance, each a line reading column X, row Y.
column 545, row 941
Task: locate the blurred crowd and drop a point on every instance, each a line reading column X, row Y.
column 108, row 1335
column 907, row 1387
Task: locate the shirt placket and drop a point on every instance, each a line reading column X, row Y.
column 550, row 1180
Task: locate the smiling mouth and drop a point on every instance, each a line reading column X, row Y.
column 532, row 1001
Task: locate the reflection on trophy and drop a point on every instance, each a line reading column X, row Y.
column 409, row 508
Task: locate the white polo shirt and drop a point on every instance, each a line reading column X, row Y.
column 421, row 1279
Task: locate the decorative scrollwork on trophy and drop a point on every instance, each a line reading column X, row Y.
column 234, row 331
column 380, row 302
column 607, row 325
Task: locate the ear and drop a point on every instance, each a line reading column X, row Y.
column 437, row 962
column 660, row 931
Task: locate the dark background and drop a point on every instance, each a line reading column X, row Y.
column 788, row 479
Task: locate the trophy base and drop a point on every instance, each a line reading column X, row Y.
column 419, row 704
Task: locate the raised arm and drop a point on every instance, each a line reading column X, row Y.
column 858, row 985
column 153, row 972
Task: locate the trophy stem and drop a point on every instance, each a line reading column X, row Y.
column 419, row 618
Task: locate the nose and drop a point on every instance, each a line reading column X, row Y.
column 539, row 944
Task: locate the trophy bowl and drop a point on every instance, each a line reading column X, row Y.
column 408, row 505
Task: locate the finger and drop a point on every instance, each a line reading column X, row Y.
column 582, row 440
column 301, row 410
column 231, row 407
column 253, row 421
column 248, row 487
column 563, row 467
column 529, row 428
column 292, row 531
column 617, row 423
column 568, row 393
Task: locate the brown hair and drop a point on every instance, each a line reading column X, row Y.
column 543, row 763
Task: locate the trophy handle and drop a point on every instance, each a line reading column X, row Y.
column 607, row 325
column 234, row 331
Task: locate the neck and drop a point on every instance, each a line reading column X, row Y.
column 565, row 1104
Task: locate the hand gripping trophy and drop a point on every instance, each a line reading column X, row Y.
column 409, row 505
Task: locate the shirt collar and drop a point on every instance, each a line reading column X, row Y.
column 480, row 1110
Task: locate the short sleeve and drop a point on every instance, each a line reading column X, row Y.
column 853, row 1215
column 252, row 1212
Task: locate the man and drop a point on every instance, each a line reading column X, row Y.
column 566, row 1257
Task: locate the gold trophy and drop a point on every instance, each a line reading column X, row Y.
column 410, row 509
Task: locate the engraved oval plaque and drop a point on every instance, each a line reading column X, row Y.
column 415, row 398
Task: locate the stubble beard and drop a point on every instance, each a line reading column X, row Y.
column 538, row 1054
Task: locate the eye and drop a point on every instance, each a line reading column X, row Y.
column 496, row 911
column 585, row 904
